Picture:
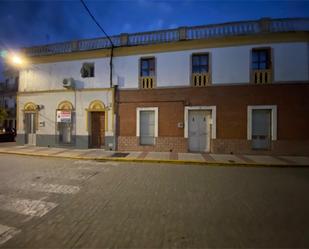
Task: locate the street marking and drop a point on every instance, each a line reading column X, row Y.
column 53, row 188
column 7, row 233
column 25, row 206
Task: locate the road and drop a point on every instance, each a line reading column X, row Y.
column 60, row 203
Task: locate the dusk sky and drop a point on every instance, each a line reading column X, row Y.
column 26, row 23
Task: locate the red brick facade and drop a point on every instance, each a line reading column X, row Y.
column 292, row 101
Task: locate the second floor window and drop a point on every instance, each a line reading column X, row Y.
column 261, row 59
column 87, row 70
column 200, row 63
column 148, row 67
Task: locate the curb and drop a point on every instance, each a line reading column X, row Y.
column 184, row 162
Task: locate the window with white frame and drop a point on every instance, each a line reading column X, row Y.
column 147, row 125
column 262, row 126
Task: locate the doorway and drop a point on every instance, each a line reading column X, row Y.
column 261, row 129
column 199, row 130
column 97, row 136
column 30, row 128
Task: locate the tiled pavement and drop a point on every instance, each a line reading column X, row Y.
column 156, row 156
column 59, row 203
column 28, row 196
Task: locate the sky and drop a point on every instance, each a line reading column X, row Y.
column 27, row 23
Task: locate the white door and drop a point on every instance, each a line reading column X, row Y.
column 147, row 127
column 261, row 129
column 198, row 129
column 30, row 128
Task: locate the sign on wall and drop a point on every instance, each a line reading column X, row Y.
column 63, row 116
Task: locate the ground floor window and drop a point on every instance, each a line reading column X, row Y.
column 147, row 125
column 262, row 126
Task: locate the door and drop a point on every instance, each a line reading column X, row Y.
column 198, row 131
column 147, row 127
column 65, row 132
column 261, row 129
column 97, row 129
column 30, row 128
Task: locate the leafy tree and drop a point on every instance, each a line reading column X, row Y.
column 3, row 115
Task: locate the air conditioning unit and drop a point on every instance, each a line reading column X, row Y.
column 68, row 83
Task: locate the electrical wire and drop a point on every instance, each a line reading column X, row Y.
column 96, row 22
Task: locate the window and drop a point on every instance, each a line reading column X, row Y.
column 261, row 59
column 262, row 126
column 200, row 63
column 147, row 67
column 147, row 125
column 87, row 70
column 147, row 73
column 261, row 66
column 200, row 70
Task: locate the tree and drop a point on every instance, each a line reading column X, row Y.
column 3, row 115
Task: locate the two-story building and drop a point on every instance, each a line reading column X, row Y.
column 227, row 88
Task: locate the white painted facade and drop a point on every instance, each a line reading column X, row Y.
column 80, row 100
column 228, row 65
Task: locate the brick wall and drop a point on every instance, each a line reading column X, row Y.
column 231, row 101
column 172, row 144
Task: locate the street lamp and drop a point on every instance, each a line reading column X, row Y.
column 13, row 58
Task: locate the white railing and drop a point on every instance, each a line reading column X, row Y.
column 172, row 35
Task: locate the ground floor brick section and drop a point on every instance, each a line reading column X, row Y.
column 231, row 103
column 170, row 144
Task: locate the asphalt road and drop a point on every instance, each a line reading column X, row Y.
column 57, row 203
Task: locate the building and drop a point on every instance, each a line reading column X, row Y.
column 8, row 93
column 227, row 88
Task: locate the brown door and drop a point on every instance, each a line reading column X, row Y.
column 97, row 129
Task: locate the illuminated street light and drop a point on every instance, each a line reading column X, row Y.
column 13, row 58
column 17, row 60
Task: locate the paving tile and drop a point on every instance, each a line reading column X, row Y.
column 142, row 155
column 207, row 157
column 191, row 156
column 265, row 159
column 133, row 154
column 158, row 155
column 300, row 160
column 227, row 158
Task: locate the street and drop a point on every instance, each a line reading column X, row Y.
column 63, row 203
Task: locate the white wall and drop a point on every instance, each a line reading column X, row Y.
column 291, row 62
column 49, row 76
column 229, row 65
column 51, row 101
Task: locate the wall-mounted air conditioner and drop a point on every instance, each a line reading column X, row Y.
column 68, row 83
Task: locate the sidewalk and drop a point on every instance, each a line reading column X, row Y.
column 156, row 157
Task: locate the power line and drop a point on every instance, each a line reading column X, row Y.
column 100, row 27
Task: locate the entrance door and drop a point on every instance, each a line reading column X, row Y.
column 147, row 127
column 261, row 129
column 30, row 128
column 199, row 131
column 97, row 129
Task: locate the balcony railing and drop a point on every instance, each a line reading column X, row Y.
column 200, row 79
column 147, row 82
column 171, row 35
column 262, row 76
